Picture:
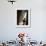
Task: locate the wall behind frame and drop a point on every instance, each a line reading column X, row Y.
column 8, row 28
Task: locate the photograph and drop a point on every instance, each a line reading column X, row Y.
column 23, row 18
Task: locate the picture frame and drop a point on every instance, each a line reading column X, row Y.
column 19, row 13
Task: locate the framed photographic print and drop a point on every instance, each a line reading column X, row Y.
column 23, row 17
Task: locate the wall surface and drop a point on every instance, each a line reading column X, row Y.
column 8, row 30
